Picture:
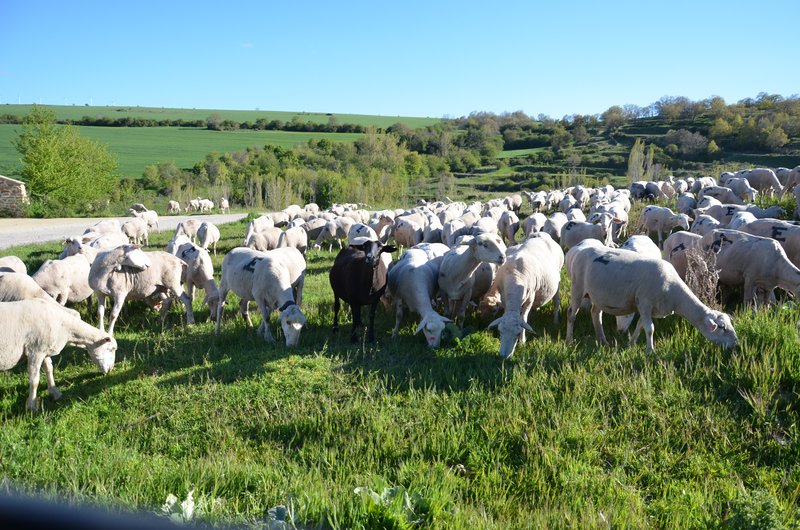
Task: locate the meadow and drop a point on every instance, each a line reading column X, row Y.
column 397, row 435
column 139, row 147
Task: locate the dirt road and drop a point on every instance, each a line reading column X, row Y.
column 15, row 232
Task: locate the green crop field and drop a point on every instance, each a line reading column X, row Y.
column 560, row 436
column 72, row 112
column 138, row 147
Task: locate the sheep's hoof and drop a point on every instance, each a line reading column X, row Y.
column 55, row 393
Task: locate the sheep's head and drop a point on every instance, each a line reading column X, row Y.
column 133, row 256
column 292, row 321
column 489, row 248
column 718, row 328
column 512, row 329
column 432, row 327
column 103, row 353
column 682, row 221
column 212, row 300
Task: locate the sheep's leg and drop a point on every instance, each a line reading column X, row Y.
column 245, row 312
column 55, row 393
column 750, row 293
column 119, row 301
column 34, row 367
column 223, row 293
column 556, row 308
column 371, row 331
column 646, row 322
column 636, row 332
column 597, row 321
column 524, row 315
column 264, row 327
column 298, row 294
column 355, row 309
column 336, row 306
column 575, row 302
column 398, row 317
column 101, row 310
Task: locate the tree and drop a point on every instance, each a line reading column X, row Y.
column 614, row 117
column 636, row 161
column 65, row 173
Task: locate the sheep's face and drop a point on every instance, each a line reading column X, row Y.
column 432, row 328
column 512, row 330
column 292, row 321
column 136, row 258
column 103, row 353
column 683, row 221
column 718, row 328
column 212, row 300
column 489, row 248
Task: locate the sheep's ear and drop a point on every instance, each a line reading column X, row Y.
column 447, row 319
column 389, row 248
column 107, row 339
column 419, row 328
column 525, row 325
column 494, row 323
column 711, row 324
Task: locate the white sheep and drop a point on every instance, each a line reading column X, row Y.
column 67, row 279
column 412, row 282
column 685, row 203
column 295, row 237
column 785, row 233
column 173, row 207
column 257, row 225
column 137, row 231
column 15, row 286
column 238, row 266
column 620, row 283
column 38, row 330
column 533, row 223
column 508, row 225
column 208, row 235
column 188, row 227
column 224, row 205
column 644, row 246
column 12, row 264
column 554, row 225
column 703, row 224
column 199, row 272
column 661, row 219
column 278, row 284
column 335, row 230
column 528, row 279
column 721, row 193
column 266, row 239
column 742, row 188
column 762, row 179
column 457, row 270
column 150, row 216
column 126, row 272
column 675, row 247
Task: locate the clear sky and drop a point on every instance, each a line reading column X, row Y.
column 404, row 58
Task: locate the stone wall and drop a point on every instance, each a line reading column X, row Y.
column 13, row 197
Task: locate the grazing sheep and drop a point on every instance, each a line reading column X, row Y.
column 600, row 229
column 259, row 224
column 644, row 246
column 721, row 193
column 358, row 277
column 150, row 217
column 126, row 272
column 762, row 179
column 757, row 264
column 106, row 226
column 739, row 220
column 67, row 279
column 15, row 286
column 703, row 224
column 137, row 231
column 575, row 214
column 224, row 205
column 554, row 225
column 508, row 226
column 36, row 330
column 266, row 239
column 337, row 230
column 176, row 242
column 412, row 282
column 199, row 272
column 785, row 233
column 457, row 269
column 725, row 212
column 238, row 266
column 12, row 264
column 685, row 203
column 660, row 219
column 278, row 284
column 741, row 187
column 408, row 233
column 675, row 247
column 188, row 228
column 528, row 279
column 533, row 223
column 295, row 237
column 208, row 235
column 173, row 207
column 620, row 283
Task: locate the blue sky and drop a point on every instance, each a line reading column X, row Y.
column 405, row 58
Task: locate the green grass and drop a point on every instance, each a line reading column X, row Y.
column 76, row 112
column 562, row 435
column 138, row 147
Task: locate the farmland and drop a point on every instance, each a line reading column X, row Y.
column 561, row 435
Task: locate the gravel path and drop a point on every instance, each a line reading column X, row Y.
column 15, row 232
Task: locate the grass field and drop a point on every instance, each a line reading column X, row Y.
column 138, row 147
column 562, row 435
column 76, row 112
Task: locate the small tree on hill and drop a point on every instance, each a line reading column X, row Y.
column 65, row 173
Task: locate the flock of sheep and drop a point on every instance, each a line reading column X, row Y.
column 454, row 256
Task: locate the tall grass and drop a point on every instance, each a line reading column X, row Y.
column 562, row 435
